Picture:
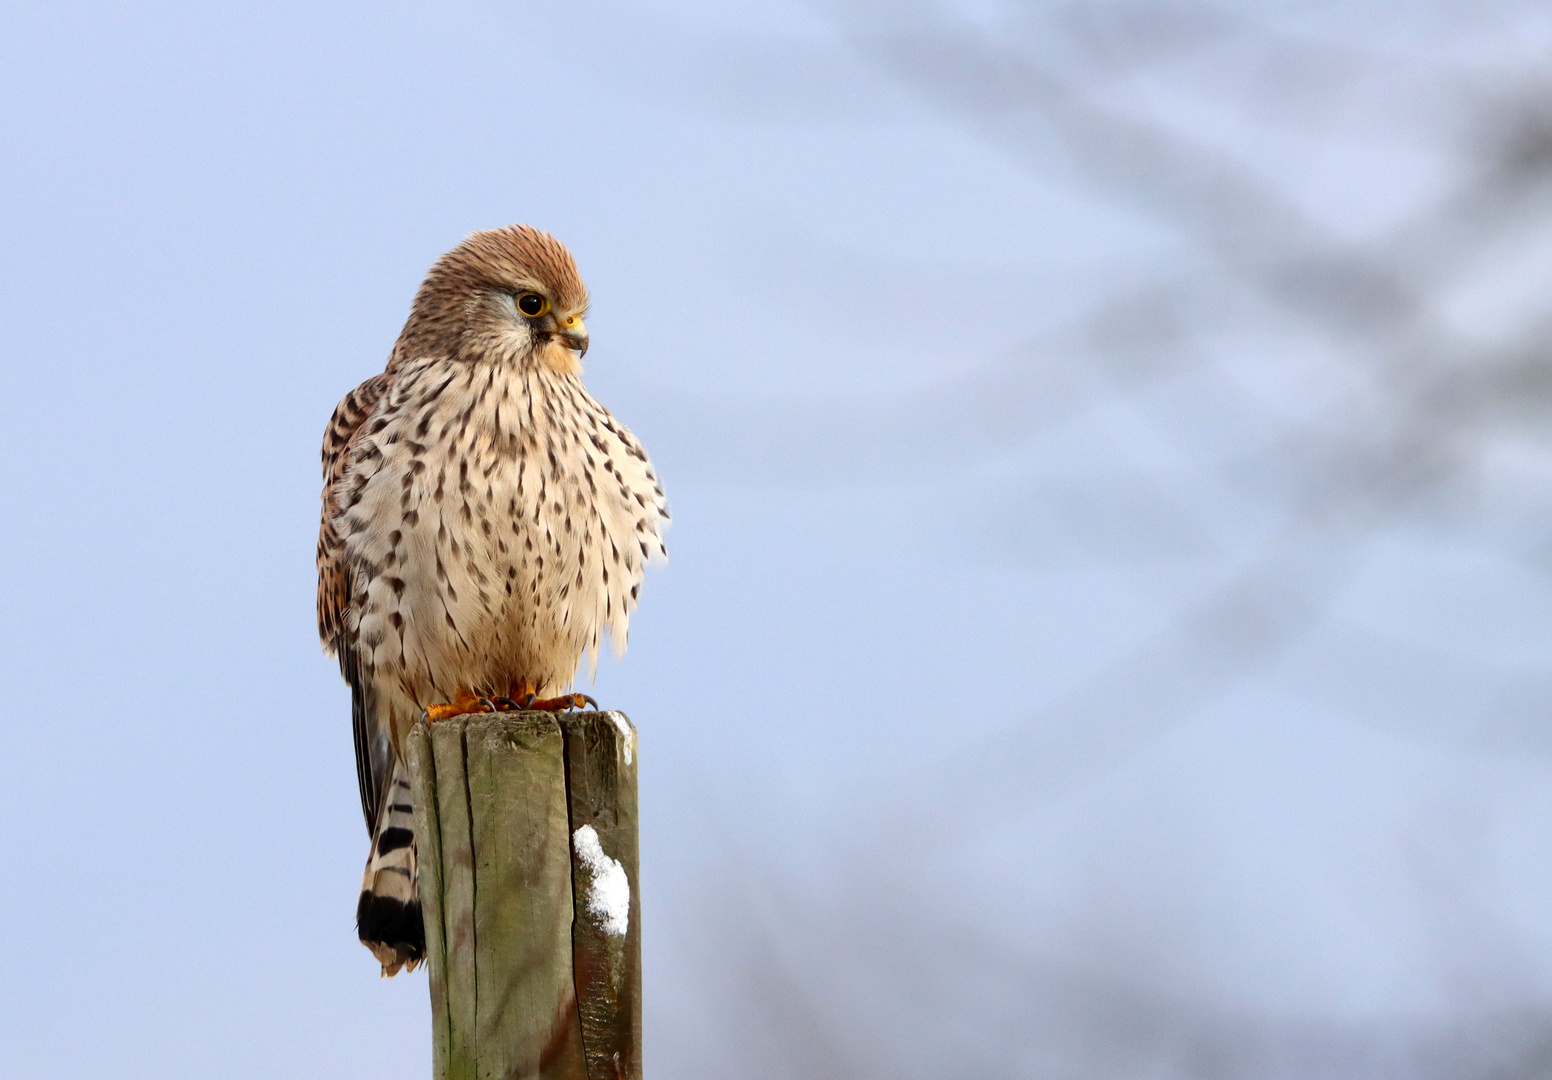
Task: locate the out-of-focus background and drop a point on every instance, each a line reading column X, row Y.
column 1108, row 618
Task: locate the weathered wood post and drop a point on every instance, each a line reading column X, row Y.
column 526, row 831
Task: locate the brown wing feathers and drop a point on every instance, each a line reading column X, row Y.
column 333, row 588
column 373, row 752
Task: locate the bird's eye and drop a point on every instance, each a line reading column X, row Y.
column 532, row 304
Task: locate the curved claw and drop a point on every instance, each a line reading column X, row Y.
column 506, row 704
column 587, row 699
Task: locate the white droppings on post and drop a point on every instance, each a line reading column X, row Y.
column 627, row 732
column 608, row 897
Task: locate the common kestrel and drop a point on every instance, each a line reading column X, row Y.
column 485, row 523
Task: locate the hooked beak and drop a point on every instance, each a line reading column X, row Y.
column 573, row 332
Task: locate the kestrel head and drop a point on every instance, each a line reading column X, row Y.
column 510, row 295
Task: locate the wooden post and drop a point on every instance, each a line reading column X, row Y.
column 525, row 825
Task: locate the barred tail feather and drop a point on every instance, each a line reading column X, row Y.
column 388, row 916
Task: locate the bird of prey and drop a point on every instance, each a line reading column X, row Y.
column 485, row 523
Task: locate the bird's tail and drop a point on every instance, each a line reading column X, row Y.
column 388, row 915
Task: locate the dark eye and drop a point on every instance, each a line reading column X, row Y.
column 532, row 304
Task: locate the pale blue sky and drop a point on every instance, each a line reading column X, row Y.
column 1070, row 661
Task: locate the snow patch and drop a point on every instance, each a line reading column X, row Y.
column 608, row 897
column 627, row 733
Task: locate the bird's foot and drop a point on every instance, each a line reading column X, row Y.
column 524, row 698
column 463, row 703
column 561, row 704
